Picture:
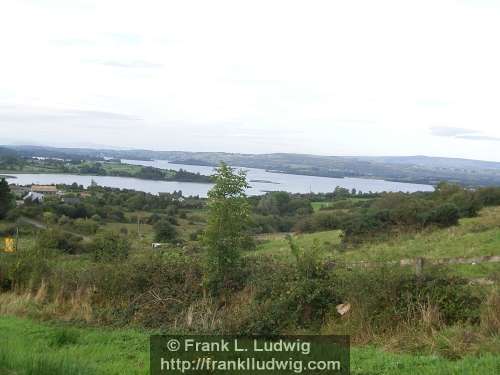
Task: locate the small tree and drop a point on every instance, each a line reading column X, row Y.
column 6, row 198
column 108, row 246
column 224, row 236
column 164, row 231
column 308, row 260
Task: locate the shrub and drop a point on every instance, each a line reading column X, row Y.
column 390, row 297
column 445, row 215
column 490, row 314
column 85, row 226
column 58, row 240
column 164, row 231
column 109, row 246
column 284, row 298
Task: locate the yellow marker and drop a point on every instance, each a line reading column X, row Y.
column 9, row 245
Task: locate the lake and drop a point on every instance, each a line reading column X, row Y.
column 261, row 181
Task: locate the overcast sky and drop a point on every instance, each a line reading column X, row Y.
column 325, row 77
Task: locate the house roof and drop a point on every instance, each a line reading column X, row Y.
column 44, row 188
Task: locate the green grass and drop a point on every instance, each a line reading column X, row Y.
column 473, row 271
column 28, row 347
column 118, row 167
column 276, row 245
column 319, row 205
column 53, row 349
column 368, row 361
column 472, row 237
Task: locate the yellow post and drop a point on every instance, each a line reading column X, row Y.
column 9, row 245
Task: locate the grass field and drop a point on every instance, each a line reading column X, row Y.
column 276, row 245
column 29, row 347
column 473, row 237
column 41, row 348
column 319, row 205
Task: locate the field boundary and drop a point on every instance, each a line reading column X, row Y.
column 420, row 263
column 431, row 261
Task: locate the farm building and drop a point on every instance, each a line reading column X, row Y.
column 35, row 197
column 44, row 189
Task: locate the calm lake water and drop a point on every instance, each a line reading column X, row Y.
column 260, row 181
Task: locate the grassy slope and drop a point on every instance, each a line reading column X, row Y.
column 473, row 237
column 276, row 245
column 317, row 206
column 104, row 351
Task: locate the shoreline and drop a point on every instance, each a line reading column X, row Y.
column 94, row 175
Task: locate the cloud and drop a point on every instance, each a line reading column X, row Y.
column 124, row 38
column 447, row 131
column 98, row 114
column 115, row 39
column 461, row 133
column 136, row 64
column 61, row 117
column 478, row 137
column 73, row 42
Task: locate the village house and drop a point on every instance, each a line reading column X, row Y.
column 44, row 189
column 34, row 197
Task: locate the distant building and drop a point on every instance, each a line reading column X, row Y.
column 18, row 190
column 44, row 189
column 34, row 197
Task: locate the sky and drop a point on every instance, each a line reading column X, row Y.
column 320, row 77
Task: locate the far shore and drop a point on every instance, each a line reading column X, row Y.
column 94, row 175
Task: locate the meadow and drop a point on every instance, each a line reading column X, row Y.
column 472, row 237
column 65, row 310
column 125, row 352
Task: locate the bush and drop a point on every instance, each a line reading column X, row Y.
column 109, row 246
column 285, row 299
column 389, row 296
column 58, row 240
column 85, row 226
column 490, row 314
column 297, row 295
column 165, row 231
column 445, row 215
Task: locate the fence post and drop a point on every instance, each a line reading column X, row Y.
column 419, row 266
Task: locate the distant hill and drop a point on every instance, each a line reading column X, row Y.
column 414, row 169
column 435, row 162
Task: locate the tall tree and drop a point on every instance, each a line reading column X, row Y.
column 6, row 198
column 224, row 237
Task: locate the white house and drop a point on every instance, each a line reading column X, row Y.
column 38, row 197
